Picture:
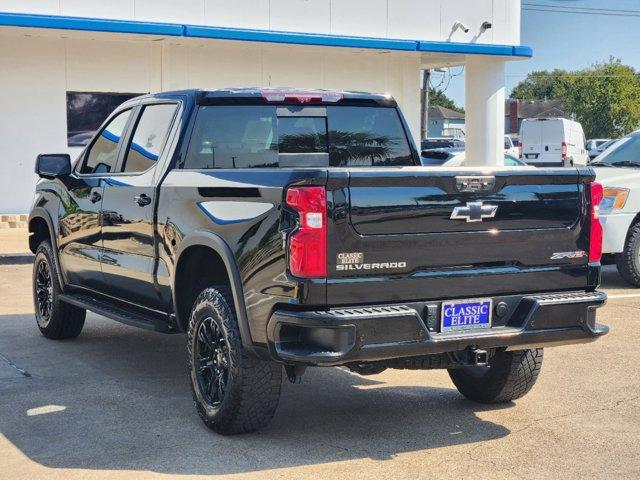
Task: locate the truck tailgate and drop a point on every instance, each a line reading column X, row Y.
column 416, row 233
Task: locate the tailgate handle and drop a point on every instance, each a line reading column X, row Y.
column 475, row 183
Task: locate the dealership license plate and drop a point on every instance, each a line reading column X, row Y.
column 466, row 315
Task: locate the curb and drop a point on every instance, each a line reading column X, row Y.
column 16, row 258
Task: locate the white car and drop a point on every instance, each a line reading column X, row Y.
column 455, row 157
column 605, row 146
column 593, row 146
column 618, row 170
column 552, row 142
column 510, row 147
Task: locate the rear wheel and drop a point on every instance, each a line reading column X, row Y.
column 56, row 319
column 509, row 376
column 233, row 392
column 628, row 262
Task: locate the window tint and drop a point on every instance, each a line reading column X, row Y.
column 367, row 136
column 103, row 154
column 302, row 134
column 149, row 137
column 233, row 137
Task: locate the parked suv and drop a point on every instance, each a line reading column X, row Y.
column 282, row 229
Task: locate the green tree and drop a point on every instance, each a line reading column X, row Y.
column 604, row 97
column 543, row 85
column 437, row 98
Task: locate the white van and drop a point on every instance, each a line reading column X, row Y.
column 552, row 142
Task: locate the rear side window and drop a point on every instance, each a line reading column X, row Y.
column 103, row 154
column 367, row 137
column 149, row 137
column 243, row 136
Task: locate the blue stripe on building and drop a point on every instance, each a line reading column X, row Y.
column 248, row 35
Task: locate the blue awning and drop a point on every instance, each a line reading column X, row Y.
column 240, row 34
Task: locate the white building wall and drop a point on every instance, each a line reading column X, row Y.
column 40, row 66
column 402, row 19
column 38, row 71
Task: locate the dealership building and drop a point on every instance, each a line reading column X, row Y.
column 66, row 63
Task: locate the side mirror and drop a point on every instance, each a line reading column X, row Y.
column 53, row 165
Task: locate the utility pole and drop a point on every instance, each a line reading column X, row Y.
column 424, row 103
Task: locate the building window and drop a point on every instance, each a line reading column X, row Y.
column 87, row 110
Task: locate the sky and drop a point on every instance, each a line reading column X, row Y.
column 568, row 41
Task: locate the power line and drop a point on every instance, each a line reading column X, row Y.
column 574, row 74
column 569, row 7
column 607, row 12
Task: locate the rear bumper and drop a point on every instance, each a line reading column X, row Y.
column 370, row 334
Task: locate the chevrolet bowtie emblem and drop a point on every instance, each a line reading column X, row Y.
column 474, row 212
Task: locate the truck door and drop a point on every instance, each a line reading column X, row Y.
column 128, row 209
column 80, row 240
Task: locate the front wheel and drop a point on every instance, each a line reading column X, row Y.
column 508, row 376
column 233, row 392
column 56, row 319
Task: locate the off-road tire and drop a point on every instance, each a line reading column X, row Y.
column 63, row 320
column 509, row 376
column 253, row 385
column 628, row 262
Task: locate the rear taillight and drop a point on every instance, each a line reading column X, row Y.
column 520, row 150
column 308, row 243
column 595, row 237
column 564, row 150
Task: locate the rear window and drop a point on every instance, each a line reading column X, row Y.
column 243, row 136
column 302, row 135
column 367, row 136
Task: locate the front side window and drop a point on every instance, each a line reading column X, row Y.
column 367, row 137
column 149, row 137
column 103, row 154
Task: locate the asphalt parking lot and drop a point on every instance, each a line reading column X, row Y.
column 115, row 403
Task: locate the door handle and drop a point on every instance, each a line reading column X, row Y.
column 142, row 200
column 95, row 197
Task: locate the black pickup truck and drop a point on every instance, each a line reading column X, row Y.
column 282, row 229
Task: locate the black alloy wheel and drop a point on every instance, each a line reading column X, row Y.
column 44, row 293
column 212, row 362
column 56, row 318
